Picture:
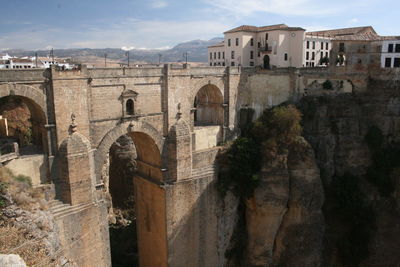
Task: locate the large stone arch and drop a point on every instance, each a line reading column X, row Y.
column 35, row 100
column 138, row 127
column 30, row 92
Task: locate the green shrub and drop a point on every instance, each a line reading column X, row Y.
column 24, row 179
column 240, row 164
column 244, row 161
column 327, row 85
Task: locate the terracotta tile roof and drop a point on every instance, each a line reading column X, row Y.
column 365, row 37
column 249, row 28
column 21, row 60
column 218, row 44
column 344, row 31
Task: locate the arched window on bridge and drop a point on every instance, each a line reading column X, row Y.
column 129, row 107
column 208, row 105
column 26, row 121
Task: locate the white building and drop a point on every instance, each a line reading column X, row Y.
column 16, row 63
column 217, row 54
column 316, row 50
column 268, row 46
column 390, row 53
column 317, row 44
column 277, row 46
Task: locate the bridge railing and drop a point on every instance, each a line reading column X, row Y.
column 8, row 151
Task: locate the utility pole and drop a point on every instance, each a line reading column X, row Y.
column 36, row 59
column 186, row 56
column 52, row 54
column 105, row 60
column 127, row 53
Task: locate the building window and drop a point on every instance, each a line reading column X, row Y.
column 312, row 64
column 327, row 54
column 388, row 62
column 397, row 49
column 252, row 42
column 215, row 64
column 251, row 55
column 210, row 56
column 396, row 63
column 327, row 46
column 341, row 47
column 219, row 55
column 266, row 36
column 390, row 48
column 285, row 56
column 259, row 44
column 237, row 41
column 232, row 63
column 232, row 54
column 251, row 63
column 313, row 45
column 307, row 55
column 313, row 56
column 223, row 63
column 322, row 45
column 129, row 107
column 307, row 64
column 322, row 55
column 258, row 54
column 210, row 63
column 229, row 42
column 223, row 55
column 308, row 44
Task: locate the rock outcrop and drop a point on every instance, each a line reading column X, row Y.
column 284, row 219
column 336, row 128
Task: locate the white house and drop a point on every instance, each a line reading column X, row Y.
column 390, row 54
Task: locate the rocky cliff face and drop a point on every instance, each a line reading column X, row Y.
column 336, row 127
column 334, row 199
column 285, row 225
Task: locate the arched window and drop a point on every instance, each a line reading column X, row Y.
column 129, row 107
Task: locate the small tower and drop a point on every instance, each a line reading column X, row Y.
column 75, row 178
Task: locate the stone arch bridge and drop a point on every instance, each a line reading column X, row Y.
column 176, row 117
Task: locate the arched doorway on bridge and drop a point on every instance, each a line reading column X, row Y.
column 137, row 215
column 266, row 64
column 208, row 117
column 208, row 105
column 25, row 124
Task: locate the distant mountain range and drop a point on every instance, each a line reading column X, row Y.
column 196, row 49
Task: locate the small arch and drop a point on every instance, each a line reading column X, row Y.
column 266, row 62
column 129, row 107
column 208, row 104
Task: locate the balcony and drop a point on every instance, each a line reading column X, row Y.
column 265, row 48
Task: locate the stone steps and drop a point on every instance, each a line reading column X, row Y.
column 203, row 172
column 60, row 209
column 70, row 210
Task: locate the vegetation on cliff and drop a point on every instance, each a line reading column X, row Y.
column 240, row 163
column 25, row 226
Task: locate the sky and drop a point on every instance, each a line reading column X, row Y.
column 161, row 24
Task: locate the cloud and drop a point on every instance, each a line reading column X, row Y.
column 158, row 4
column 128, row 33
column 353, row 21
column 240, row 8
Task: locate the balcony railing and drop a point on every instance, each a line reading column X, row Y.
column 265, row 48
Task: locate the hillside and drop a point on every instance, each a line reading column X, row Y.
column 196, row 49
